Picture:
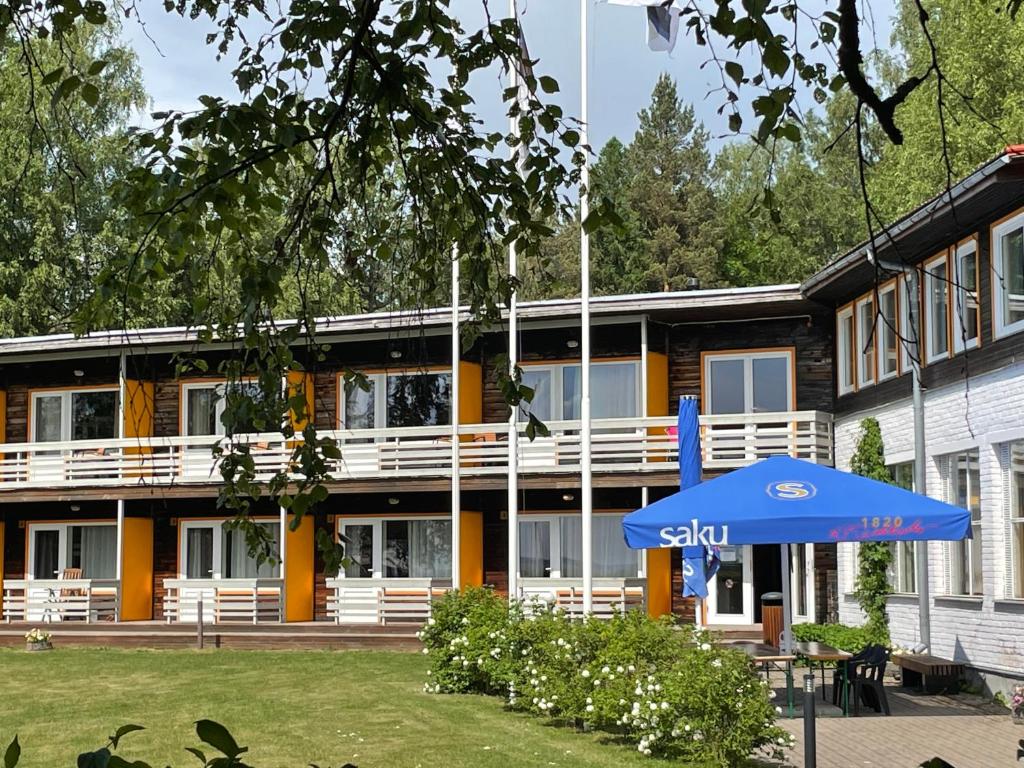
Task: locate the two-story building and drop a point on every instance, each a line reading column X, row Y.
column 108, row 486
column 949, row 279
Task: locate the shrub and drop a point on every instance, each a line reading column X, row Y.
column 669, row 691
column 840, row 636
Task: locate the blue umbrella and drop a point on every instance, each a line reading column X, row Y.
column 789, row 501
column 696, row 571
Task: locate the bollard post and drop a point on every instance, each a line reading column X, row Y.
column 199, row 624
column 810, row 738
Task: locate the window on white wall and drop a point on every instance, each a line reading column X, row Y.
column 936, row 303
column 965, row 557
column 887, row 333
column 1008, row 276
column 847, row 352
column 902, row 576
column 1015, row 487
column 966, row 318
column 866, row 342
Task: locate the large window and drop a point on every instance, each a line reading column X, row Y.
column 902, row 576
column 397, row 548
column 209, row 550
column 406, row 399
column 1008, row 275
column 614, row 390
column 966, row 319
column 936, row 304
column 887, row 333
column 1015, row 484
column 87, row 414
column 909, row 320
column 846, row 356
column 965, row 557
column 203, row 405
column 552, row 546
column 866, row 342
column 56, row 548
column 748, row 382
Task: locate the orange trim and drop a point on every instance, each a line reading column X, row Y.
column 137, row 569
column 704, row 355
column 1005, row 218
column 659, row 582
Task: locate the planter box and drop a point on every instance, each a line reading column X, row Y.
column 41, row 645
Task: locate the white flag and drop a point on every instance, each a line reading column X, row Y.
column 662, row 21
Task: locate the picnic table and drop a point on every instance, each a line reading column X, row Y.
column 821, row 653
column 770, row 656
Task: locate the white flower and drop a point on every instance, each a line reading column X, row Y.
column 632, row 668
column 425, row 650
column 431, row 622
column 589, row 700
column 664, row 705
column 590, row 707
column 619, row 669
column 585, row 673
column 771, row 694
column 705, row 646
column 718, row 663
column 778, row 710
column 465, row 620
column 605, row 670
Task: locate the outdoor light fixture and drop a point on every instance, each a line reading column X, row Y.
column 395, row 354
column 75, row 508
column 567, row 497
column 79, row 373
column 572, row 343
column 392, row 500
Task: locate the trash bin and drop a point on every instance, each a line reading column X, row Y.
column 771, row 618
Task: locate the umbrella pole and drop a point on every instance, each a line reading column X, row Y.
column 787, row 620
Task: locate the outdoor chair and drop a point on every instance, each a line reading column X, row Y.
column 865, row 676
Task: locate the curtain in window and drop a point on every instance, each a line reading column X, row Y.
column 612, row 391
column 202, row 411
column 238, row 564
column 46, row 554
column 359, row 405
column 540, row 382
column 47, row 418
column 358, row 550
column 98, row 555
column 430, row 549
column 534, row 548
column 199, row 553
column 612, row 558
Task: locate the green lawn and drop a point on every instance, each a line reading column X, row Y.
column 289, row 707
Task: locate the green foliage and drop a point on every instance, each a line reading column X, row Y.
column 840, row 636
column 874, row 558
column 669, row 691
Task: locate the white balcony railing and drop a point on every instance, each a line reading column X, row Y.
column 628, row 445
column 383, row 601
column 50, row 600
column 252, row 601
column 610, row 595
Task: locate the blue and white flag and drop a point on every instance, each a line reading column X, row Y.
column 662, row 21
column 695, row 570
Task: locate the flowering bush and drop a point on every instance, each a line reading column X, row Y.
column 669, row 691
column 1017, row 702
column 37, row 635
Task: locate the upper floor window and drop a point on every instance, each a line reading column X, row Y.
column 1008, row 275
column 87, row 414
column 965, row 557
column 401, row 399
column 966, row 317
column 847, row 350
column 557, row 390
column 204, row 403
column 887, row 332
column 936, row 304
column 749, row 382
column 866, row 341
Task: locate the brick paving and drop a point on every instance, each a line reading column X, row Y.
column 966, row 731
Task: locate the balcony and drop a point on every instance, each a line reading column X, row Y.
column 383, row 601
column 53, row 600
column 252, row 601
column 619, row 446
column 610, row 596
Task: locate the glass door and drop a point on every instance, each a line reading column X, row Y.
column 801, row 574
column 46, row 550
column 731, row 591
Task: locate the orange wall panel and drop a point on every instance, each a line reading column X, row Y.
column 301, row 382
column 471, row 549
column 299, row 571
column 137, row 570
column 659, row 582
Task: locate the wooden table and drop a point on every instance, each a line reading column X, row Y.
column 770, row 656
column 821, row 653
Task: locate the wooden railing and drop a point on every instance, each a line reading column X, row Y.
column 630, row 445
column 253, row 601
column 49, row 600
column 383, row 601
column 610, row 596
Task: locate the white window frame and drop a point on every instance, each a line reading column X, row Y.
column 966, row 249
column 843, row 371
column 906, row 304
column 951, row 462
column 1014, row 519
column 555, row 540
column 557, row 371
column 218, row 545
column 748, row 358
column 63, row 529
column 65, row 409
column 999, row 327
column 865, row 334
column 377, row 524
column 379, row 381
column 930, row 282
column 218, row 408
column 883, row 331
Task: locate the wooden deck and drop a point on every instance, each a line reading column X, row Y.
column 155, row 634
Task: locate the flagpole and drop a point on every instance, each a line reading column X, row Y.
column 587, row 500
column 456, row 491
column 513, row 353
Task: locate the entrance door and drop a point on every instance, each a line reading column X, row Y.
column 802, row 581
column 731, row 592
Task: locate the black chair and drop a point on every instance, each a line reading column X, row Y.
column 847, row 666
column 865, row 675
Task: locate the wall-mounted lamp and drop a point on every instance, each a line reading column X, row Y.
column 572, row 343
column 568, row 497
column 79, row 373
column 75, row 508
column 392, row 500
column 396, row 354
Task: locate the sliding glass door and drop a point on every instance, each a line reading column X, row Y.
column 397, row 548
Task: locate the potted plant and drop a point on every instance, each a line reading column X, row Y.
column 37, row 640
column 1017, row 704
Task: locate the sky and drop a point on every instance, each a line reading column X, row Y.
column 178, row 66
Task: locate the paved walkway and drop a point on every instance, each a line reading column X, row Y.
column 965, row 731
